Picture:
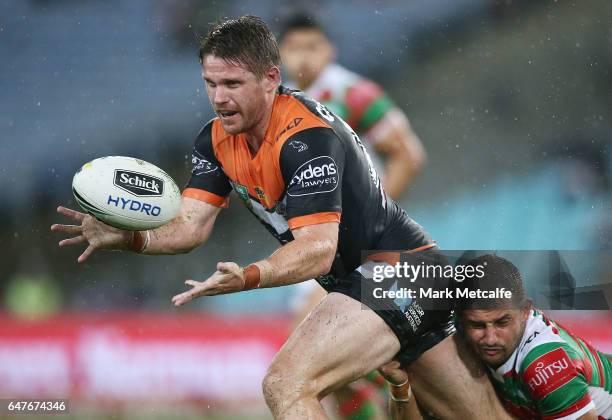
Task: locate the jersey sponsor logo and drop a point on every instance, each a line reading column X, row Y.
column 200, row 165
column 243, row 193
column 261, row 194
column 294, row 123
column 141, row 185
column 549, row 372
column 532, row 337
column 133, row 205
column 299, row 145
column 318, row 175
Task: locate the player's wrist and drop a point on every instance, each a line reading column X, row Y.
column 255, row 275
column 139, row 241
column 402, row 392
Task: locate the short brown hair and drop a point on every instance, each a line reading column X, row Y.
column 498, row 273
column 246, row 41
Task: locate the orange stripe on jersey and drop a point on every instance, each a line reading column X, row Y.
column 313, row 219
column 206, row 196
column 261, row 174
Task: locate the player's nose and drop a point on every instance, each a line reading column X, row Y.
column 490, row 337
column 219, row 96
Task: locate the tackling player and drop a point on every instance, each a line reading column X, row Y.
column 540, row 369
column 308, row 58
column 306, row 176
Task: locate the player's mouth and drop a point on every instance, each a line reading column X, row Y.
column 491, row 351
column 226, row 114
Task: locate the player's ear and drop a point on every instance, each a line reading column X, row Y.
column 526, row 309
column 272, row 78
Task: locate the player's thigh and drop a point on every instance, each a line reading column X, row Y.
column 307, row 297
column 338, row 342
column 448, row 381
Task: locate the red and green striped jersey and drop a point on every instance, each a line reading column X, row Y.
column 358, row 101
column 553, row 374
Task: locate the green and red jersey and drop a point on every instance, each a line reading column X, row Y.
column 358, row 101
column 553, row 374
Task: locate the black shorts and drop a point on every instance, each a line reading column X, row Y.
column 418, row 323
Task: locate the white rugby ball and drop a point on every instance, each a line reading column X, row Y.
column 126, row 192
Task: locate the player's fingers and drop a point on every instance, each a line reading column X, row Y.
column 182, row 298
column 71, row 213
column 71, row 229
column 394, row 376
column 228, row 267
column 73, row 241
column 90, row 249
column 393, row 373
column 192, row 283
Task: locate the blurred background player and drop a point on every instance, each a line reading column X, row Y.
column 309, row 61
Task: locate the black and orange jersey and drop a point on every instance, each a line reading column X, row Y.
column 311, row 168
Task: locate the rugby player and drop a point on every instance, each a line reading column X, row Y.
column 308, row 59
column 538, row 367
column 305, row 175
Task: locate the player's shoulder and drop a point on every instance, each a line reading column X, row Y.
column 340, row 80
column 544, row 355
column 205, row 133
column 206, row 147
column 295, row 113
column 540, row 338
column 211, row 135
column 295, row 103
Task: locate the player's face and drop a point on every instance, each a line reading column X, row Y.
column 495, row 333
column 237, row 95
column 305, row 52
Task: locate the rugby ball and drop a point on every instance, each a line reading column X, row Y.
column 126, row 193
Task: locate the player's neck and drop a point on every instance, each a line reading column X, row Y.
column 304, row 84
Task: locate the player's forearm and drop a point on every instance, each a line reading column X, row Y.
column 176, row 237
column 398, row 175
column 186, row 231
column 405, row 155
column 402, row 404
column 301, row 259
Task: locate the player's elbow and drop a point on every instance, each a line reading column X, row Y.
column 327, row 254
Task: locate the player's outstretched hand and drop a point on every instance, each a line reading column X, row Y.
column 393, row 373
column 91, row 231
column 228, row 278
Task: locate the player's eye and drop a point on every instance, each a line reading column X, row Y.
column 476, row 325
column 503, row 322
column 233, row 84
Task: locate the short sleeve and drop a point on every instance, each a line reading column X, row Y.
column 312, row 162
column 367, row 104
column 557, row 387
column 208, row 182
